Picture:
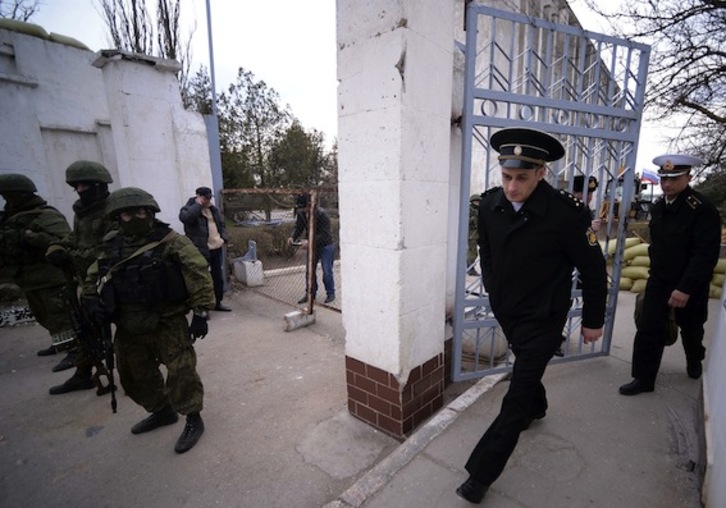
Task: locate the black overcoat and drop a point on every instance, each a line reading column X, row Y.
column 527, row 261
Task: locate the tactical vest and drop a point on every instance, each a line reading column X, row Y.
column 147, row 279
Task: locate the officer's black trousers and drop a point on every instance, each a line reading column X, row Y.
column 651, row 335
column 525, row 399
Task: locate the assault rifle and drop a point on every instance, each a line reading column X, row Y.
column 96, row 340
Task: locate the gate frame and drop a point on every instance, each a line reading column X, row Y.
column 470, row 121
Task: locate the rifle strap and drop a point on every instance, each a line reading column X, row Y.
column 109, row 275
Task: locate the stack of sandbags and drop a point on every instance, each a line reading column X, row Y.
column 636, row 266
column 714, row 290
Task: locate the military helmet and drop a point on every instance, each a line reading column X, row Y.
column 474, row 197
column 87, row 171
column 130, row 197
column 15, row 182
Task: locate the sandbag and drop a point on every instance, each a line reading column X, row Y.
column 720, row 266
column 639, row 285
column 714, row 291
column 640, row 261
column 635, row 272
column 636, row 250
column 625, row 283
column 717, row 279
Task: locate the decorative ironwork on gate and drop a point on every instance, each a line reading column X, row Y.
column 585, row 88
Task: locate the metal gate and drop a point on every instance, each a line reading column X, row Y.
column 587, row 89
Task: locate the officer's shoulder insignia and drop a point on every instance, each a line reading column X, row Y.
column 569, row 199
column 110, row 236
column 490, row 191
column 591, row 237
column 693, row 201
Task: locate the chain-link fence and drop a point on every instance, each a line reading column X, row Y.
column 283, row 224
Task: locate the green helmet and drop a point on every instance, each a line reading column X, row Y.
column 130, row 197
column 87, row 171
column 474, row 197
column 15, row 182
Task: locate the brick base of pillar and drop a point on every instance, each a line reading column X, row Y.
column 376, row 397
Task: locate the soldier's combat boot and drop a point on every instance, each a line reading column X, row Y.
column 193, row 430
column 165, row 416
column 47, row 351
column 80, row 380
column 68, row 362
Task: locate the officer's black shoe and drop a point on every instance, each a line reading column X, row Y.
column 330, row 298
column 222, row 308
column 165, row 416
column 68, row 362
column 538, row 416
column 80, row 380
column 47, row 351
column 193, row 430
column 694, row 370
column 635, row 387
column 304, row 299
column 472, row 490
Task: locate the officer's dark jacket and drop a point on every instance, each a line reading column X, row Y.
column 323, row 236
column 196, row 226
column 527, row 261
column 685, row 242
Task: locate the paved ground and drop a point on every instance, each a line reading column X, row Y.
column 278, row 432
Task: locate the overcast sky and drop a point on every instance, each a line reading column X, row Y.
column 290, row 44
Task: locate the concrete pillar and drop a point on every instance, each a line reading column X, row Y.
column 395, row 62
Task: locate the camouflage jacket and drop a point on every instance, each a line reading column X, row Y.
column 26, row 231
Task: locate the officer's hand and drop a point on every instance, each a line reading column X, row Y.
column 198, row 328
column 591, row 334
column 678, row 299
column 57, row 256
column 289, row 241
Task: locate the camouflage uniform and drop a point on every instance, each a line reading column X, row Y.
column 473, row 250
column 80, row 249
column 149, row 296
column 27, row 227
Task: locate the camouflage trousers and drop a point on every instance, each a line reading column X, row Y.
column 51, row 311
column 139, row 356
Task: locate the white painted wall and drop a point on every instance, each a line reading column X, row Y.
column 714, row 392
column 61, row 103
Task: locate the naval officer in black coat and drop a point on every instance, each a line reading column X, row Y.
column 531, row 237
column 685, row 237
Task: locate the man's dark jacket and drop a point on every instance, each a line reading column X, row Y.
column 527, row 261
column 196, row 226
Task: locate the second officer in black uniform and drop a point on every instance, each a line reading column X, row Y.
column 685, row 237
column 531, row 236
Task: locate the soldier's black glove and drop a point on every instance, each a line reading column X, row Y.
column 198, row 328
column 97, row 311
column 57, row 256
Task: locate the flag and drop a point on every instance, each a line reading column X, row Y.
column 650, row 176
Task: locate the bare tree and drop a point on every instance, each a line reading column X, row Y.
column 21, row 10
column 132, row 28
column 129, row 25
column 687, row 78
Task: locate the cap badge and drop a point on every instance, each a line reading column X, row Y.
column 517, row 150
column 668, row 166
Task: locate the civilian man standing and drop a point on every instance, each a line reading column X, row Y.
column 531, row 237
column 685, row 236
column 204, row 226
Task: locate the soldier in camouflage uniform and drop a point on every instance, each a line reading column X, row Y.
column 27, row 226
column 146, row 280
column 77, row 251
column 473, row 251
